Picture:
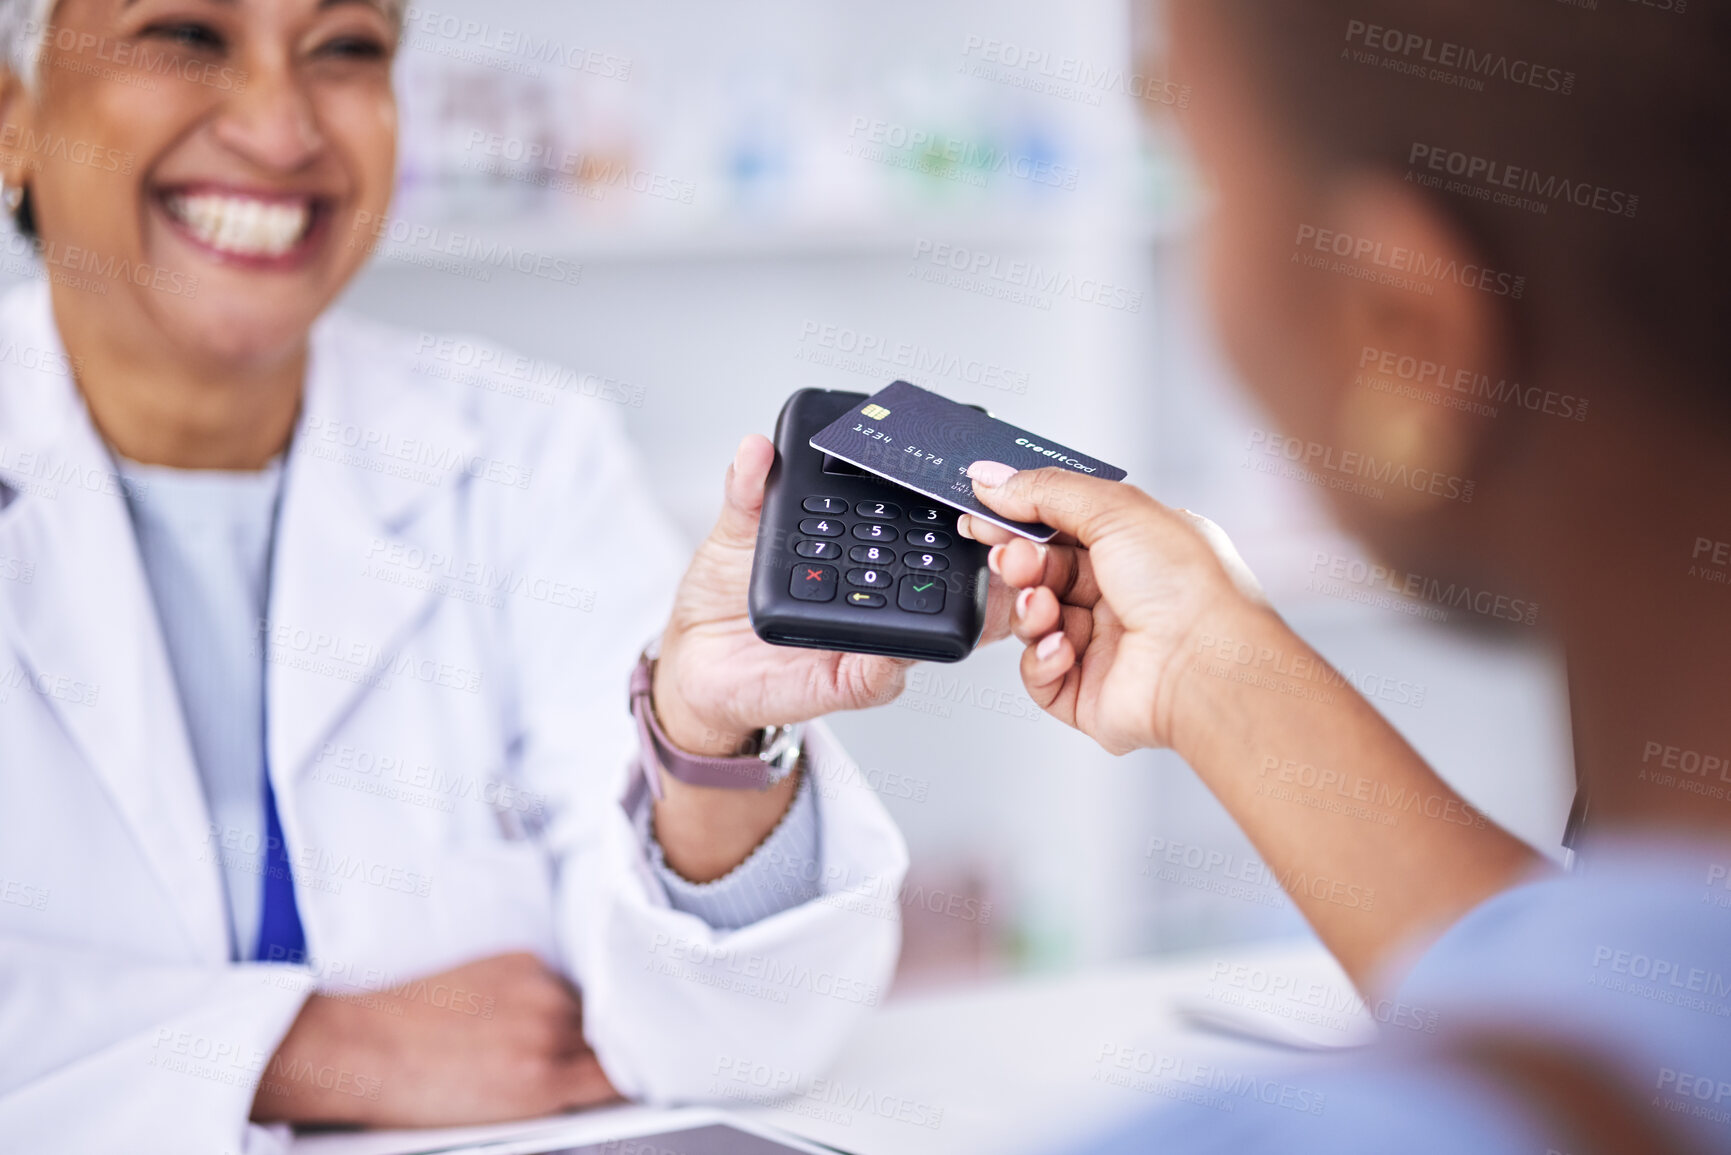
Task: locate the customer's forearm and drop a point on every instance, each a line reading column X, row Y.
column 1375, row 849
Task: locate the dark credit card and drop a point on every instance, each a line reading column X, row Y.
column 926, row 442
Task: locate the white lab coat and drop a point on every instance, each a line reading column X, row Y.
column 462, row 580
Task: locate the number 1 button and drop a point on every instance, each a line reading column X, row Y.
column 921, row 593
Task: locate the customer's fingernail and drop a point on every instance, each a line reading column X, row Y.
column 1049, row 645
column 965, row 527
column 1022, row 600
column 990, row 474
column 992, row 556
column 1042, row 550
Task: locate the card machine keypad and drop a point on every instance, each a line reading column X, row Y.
column 817, row 583
column 909, row 585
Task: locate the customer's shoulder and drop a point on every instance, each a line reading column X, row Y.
column 1642, row 929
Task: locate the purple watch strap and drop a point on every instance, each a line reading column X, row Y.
column 747, row 772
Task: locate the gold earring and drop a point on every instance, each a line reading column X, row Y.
column 1418, row 450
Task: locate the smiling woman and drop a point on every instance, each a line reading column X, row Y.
column 274, row 541
column 255, row 136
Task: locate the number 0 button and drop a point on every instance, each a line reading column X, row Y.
column 920, row 594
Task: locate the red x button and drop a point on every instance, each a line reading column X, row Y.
column 813, row 583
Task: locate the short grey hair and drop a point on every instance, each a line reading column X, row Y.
column 24, row 26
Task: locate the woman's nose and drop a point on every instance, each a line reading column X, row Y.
column 271, row 122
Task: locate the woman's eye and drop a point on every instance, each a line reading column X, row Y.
column 354, row 48
column 198, row 37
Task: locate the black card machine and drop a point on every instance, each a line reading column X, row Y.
column 848, row 561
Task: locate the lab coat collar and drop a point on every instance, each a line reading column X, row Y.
column 84, row 624
column 370, row 506
column 86, row 619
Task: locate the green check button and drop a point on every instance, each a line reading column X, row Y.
column 921, row 594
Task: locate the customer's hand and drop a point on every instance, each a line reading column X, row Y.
column 1111, row 609
column 496, row 1039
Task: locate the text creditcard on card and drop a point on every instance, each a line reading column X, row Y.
column 924, row 441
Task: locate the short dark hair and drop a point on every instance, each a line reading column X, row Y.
column 1617, row 117
column 24, row 216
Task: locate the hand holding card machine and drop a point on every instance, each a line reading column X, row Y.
column 848, row 561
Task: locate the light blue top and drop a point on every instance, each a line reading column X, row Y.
column 204, row 536
column 1627, row 960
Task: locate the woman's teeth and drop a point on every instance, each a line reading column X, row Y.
column 243, row 226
